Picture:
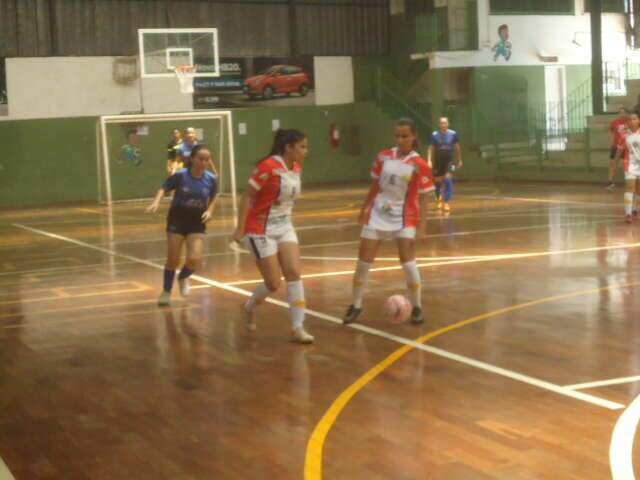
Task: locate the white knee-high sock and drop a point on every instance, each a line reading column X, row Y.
column 414, row 283
column 360, row 282
column 295, row 297
column 628, row 203
column 258, row 296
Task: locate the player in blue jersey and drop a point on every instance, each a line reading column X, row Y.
column 196, row 190
column 443, row 147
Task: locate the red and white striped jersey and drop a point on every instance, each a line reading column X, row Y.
column 401, row 179
column 278, row 187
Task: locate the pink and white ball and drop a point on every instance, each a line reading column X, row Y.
column 398, row 308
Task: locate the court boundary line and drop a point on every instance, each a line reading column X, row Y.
column 315, row 445
column 5, row 473
column 604, row 383
column 622, row 440
column 355, row 326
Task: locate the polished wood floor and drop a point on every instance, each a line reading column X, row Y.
column 96, row 382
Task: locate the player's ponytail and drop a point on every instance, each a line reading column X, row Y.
column 282, row 138
column 408, row 122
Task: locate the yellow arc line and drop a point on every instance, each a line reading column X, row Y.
column 315, row 446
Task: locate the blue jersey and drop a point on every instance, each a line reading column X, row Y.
column 184, row 151
column 443, row 143
column 191, row 192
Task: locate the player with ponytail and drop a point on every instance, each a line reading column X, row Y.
column 265, row 226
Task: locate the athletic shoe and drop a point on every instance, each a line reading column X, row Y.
column 440, row 204
column 185, row 288
column 299, row 335
column 611, row 186
column 248, row 318
column 416, row 316
column 446, row 208
column 628, row 219
column 165, row 299
column 352, row 315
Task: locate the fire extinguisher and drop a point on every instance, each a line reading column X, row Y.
column 334, row 136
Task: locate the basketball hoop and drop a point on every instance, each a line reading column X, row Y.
column 185, row 74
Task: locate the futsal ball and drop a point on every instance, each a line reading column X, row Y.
column 398, row 308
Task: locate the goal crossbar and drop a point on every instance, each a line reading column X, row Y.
column 225, row 116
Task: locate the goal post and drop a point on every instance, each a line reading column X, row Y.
column 133, row 151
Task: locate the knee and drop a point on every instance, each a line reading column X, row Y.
column 194, row 263
column 273, row 284
column 291, row 275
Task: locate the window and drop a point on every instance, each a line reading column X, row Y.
column 608, row 6
column 532, row 7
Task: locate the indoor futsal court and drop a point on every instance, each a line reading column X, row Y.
column 319, row 240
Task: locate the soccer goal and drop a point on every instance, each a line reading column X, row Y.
column 133, row 151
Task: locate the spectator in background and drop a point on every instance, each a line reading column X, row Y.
column 618, row 128
column 174, row 162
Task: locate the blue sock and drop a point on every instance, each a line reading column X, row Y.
column 448, row 189
column 438, row 188
column 185, row 273
column 169, row 275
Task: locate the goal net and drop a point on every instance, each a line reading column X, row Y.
column 134, row 151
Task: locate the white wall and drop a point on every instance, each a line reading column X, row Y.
column 54, row 87
column 333, row 80
column 565, row 36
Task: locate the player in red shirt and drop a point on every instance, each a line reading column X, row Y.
column 395, row 208
column 264, row 222
column 618, row 128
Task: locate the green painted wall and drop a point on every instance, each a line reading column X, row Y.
column 501, row 100
column 54, row 160
column 48, row 161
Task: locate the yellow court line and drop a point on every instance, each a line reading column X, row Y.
column 315, row 446
column 48, row 311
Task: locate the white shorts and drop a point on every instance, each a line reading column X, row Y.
column 632, row 174
column 263, row 246
column 373, row 234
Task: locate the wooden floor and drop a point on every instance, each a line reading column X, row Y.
column 96, row 382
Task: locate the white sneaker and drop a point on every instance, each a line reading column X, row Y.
column 249, row 322
column 299, row 335
column 185, row 287
column 165, row 299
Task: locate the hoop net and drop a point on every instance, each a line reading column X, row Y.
column 185, row 74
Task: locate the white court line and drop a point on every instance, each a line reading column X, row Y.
column 371, row 331
column 546, row 200
column 604, row 383
column 5, row 474
column 621, row 448
column 487, row 258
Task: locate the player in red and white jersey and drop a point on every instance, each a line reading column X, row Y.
column 630, row 143
column 264, row 222
column 395, row 208
column 618, row 128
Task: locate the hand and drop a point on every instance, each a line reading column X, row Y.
column 430, row 164
column 362, row 217
column 153, row 208
column 206, row 216
column 238, row 235
column 421, row 231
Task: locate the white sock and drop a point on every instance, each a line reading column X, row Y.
column 628, row 202
column 295, row 297
column 360, row 282
column 259, row 294
column 414, row 283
